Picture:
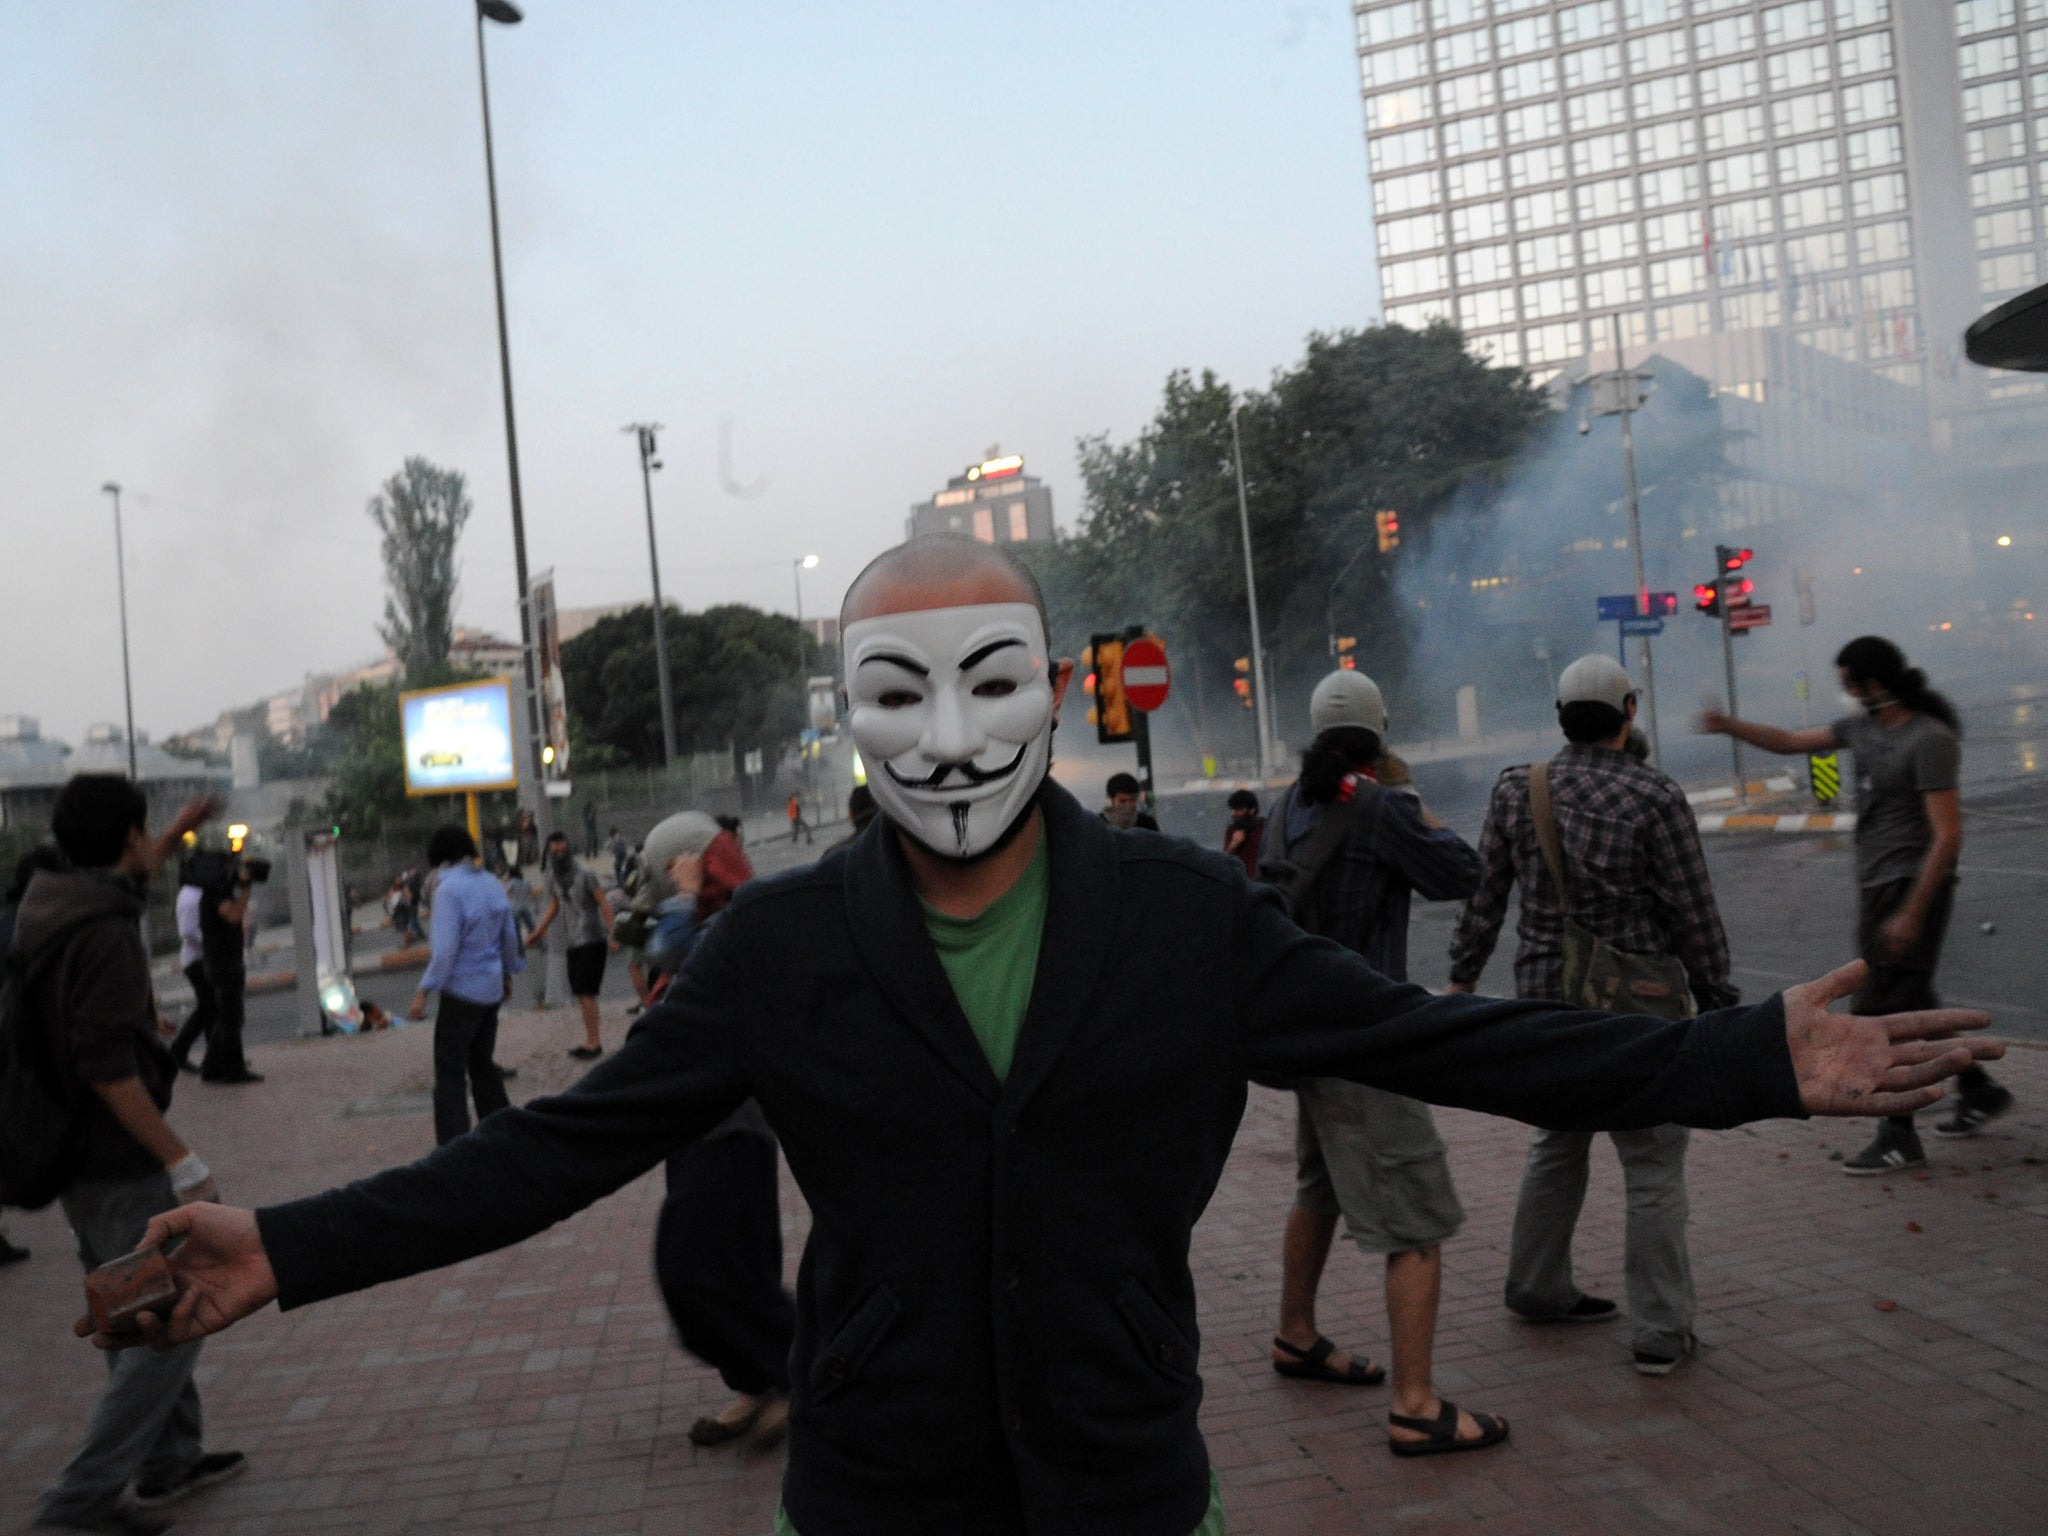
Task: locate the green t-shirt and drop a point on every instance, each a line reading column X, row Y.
column 991, row 960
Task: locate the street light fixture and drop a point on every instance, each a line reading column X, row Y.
column 798, row 566
column 113, row 489
column 506, row 14
column 644, row 431
column 1251, row 598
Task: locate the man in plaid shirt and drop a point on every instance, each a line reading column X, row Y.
column 1638, row 879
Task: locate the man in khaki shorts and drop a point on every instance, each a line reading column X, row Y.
column 1367, row 1155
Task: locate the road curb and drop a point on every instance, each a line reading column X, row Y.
column 1735, row 821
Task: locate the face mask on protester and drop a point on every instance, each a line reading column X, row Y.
column 952, row 709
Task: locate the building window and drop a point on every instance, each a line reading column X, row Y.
column 1471, row 136
column 1600, row 154
column 1481, row 221
column 1474, row 178
column 1608, row 242
column 1399, row 194
column 1870, row 101
column 1482, row 265
column 1533, row 167
column 1974, row 16
column 1556, row 296
column 1886, row 290
column 1817, row 206
column 1541, row 120
column 1671, row 232
column 1406, row 279
column 1666, row 141
column 1461, row 50
column 1583, row 23
column 1544, row 253
column 1531, row 34
column 1738, row 173
column 1606, row 199
column 1795, row 23
column 1998, row 98
column 1651, row 13
column 1599, row 109
column 2037, row 48
column 1749, row 311
column 1398, row 151
column 1486, row 307
column 1797, row 68
column 2009, row 226
column 1592, row 66
column 1735, row 129
column 1467, row 93
column 1542, row 210
column 1818, row 253
column 1675, row 322
column 1456, row 13
column 1718, row 39
column 1552, row 344
column 1729, row 83
column 1870, row 54
column 1861, row 13
column 1389, row 23
column 1993, row 56
column 1654, row 98
column 1521, row 81
column 1748, row 216
column 1020, row 522
column 2001, row 141
column 1794, row 115
column 1667, row 188
column 2000, row 184
column 1404, row 237
column 1678, row 276
column 1418, row 316
column 1396, row 109
column 1894, row 241
column 1614, row 288
column 1811, row 160
column 985, row 524
column 1393, row 66
column 1657, row 50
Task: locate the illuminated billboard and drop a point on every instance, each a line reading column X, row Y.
column 458, row 738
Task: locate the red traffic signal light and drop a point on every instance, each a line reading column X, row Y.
column 1733, row 559
column 1707, row 598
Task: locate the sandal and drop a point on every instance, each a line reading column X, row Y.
column 1313, row 1364
column 1443, row 1432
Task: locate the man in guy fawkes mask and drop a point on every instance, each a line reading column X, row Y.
column 1004, row 1154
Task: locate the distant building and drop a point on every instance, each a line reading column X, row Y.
column 993, row 501
column 33, row 768
column 571, row 622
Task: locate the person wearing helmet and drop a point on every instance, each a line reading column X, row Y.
column 1635, row 877
column 1371, row 1156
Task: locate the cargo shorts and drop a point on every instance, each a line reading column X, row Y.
column 1374, row 1158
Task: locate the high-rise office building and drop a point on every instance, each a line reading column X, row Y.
column 1865, row 176
column 993, row 501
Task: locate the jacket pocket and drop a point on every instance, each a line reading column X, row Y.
column 1165, row 1347
column 839, row 1362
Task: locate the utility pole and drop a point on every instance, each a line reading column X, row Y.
column 644, row 432
column 1723, row 580
column 1251, row 596
column 121, row 585
column 1620, row 394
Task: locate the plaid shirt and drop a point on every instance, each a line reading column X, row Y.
column 1632, row 857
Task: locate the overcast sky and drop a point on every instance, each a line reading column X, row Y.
column 245, row 270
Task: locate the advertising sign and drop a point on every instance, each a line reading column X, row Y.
column 458, row 738
column 554, row 698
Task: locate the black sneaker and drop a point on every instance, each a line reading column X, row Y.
column 1587, row 1309
column 1974, row 1111
column 11, row 1253
column 1891, row 1151
column 1648, row 1364
column 203, row 1473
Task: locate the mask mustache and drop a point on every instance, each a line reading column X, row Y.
column 973, row 775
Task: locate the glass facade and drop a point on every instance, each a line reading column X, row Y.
column 1697, row 165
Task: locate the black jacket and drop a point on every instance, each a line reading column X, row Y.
column 996, row 1321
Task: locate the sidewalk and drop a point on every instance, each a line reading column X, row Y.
column 538, row 1390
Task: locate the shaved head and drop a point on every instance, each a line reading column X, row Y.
column 940, row 570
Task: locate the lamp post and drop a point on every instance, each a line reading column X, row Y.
column 113, row 489
column 506, row 14
column 1251, row 597
column 644, row 431
column 797, row 568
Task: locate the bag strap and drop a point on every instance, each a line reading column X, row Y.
column 1331, row 832
column 1545, row 816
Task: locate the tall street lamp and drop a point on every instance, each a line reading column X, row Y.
column 798, row 567
column 644, row 431
column 112, row 489
column 506, row 14
column 1251, row 597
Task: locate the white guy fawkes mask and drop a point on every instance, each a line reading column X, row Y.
column 952, row 710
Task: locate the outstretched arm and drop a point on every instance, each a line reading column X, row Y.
column 1771, row 738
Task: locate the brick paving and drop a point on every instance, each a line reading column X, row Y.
column 1875, row 1352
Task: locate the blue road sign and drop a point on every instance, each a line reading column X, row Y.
column 1638, row 626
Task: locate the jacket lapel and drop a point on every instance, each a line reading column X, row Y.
column 889, row 931
column 1080, row 928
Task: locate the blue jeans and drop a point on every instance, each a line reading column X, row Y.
column 147, row 1423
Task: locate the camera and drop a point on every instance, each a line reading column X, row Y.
column 217, row 869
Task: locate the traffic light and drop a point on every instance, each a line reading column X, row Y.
column 1726, row 586
column 1112, row 712
column 1346, row 644
column 1389, row 526
column 1242, row 684
column 1732, row 559
column 1707, row 598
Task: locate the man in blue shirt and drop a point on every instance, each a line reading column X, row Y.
column 476, row 946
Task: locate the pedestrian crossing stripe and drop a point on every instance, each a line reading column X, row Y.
column 1826, row 768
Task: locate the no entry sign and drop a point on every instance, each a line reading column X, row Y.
column 1147, row 680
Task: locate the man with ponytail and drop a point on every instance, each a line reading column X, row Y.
column 1907, row 742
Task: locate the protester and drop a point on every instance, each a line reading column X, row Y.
column 1357, row 852
column 1004, row 1163
column 192, row 961
column 403, row 901
column 223, row 937
column 590, row 828
column 615, row 845
column 718, row 1242
column 1126, row 805
column 42, row 856
column 1907, row 743
column 1246, row 833
column 476, row 947
column 1604, row 845
column 79, row 939
column 575, row 887
column 798, row 827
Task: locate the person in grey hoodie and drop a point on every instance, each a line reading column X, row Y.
column 78, row 934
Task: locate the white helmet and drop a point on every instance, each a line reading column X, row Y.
column 1346, row 697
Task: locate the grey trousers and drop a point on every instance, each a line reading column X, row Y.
column 1657, row 1268
column 147, row 1422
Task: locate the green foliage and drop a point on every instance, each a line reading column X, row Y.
column 420, row 511
column 733, row 671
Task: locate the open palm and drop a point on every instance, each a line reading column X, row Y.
column 1848, row 1064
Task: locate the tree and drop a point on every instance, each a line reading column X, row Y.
column 420, row 511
